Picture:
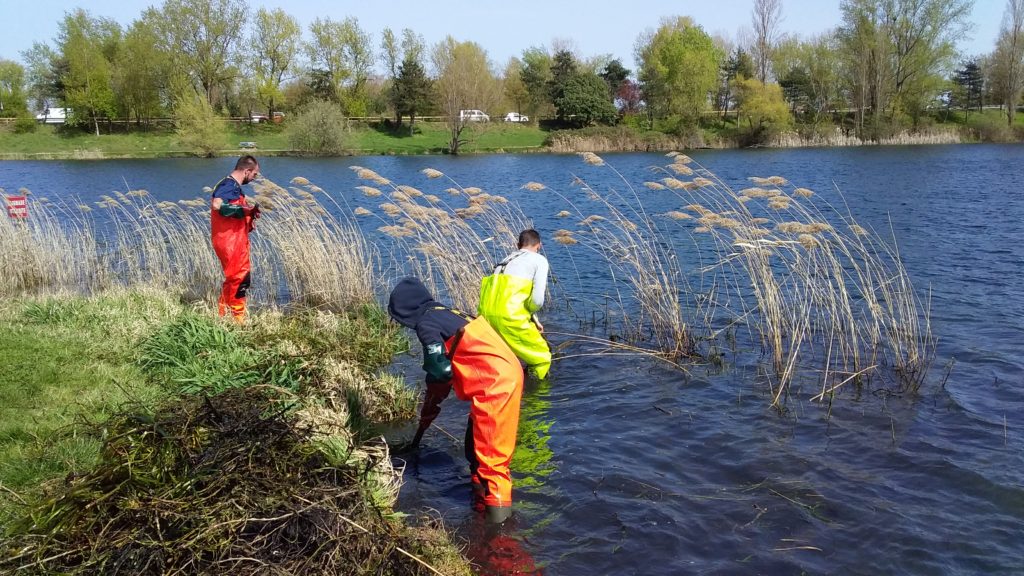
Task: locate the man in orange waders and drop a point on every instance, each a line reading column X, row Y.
column 231, row 221
column 467, row 353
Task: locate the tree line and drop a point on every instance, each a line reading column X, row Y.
column 889, row 65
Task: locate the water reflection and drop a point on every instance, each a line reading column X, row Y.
column 499, row 550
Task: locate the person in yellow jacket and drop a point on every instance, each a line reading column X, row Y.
column 511, row 297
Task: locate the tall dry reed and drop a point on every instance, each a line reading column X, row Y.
column 450, row 239
column 299, row 250
column 825, row 298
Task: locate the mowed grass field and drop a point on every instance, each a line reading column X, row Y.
column 428, row 138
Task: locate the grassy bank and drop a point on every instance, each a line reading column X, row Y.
column 120, row 409
column 50, row 142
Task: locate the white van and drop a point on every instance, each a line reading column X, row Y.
column 53, row 115
column 473, row 116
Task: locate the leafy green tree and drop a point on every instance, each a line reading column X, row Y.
column 514, row 90
column 413, row 90
column 969, row 85
column 584, row 101
column 320, row 128
column 86, row 43
column 140, row 73
column 465, row 81
column 321, row 85
column 763, row 109
column 42, row 75
column 198, row 128
column 342, row 50
column 895, row 52
column 394, row 54
column 202, row 38
column 739, row 64
column 796, row 88
column 535, row 76
column 12, row 89
column 563, row 67
column 679, row 66
column 275, row 46
column 614, row 74
column 824, row 91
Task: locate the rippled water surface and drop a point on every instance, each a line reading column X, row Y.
column 628, row 466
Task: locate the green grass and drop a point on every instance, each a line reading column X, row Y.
column 431, row 138
column 64, row 362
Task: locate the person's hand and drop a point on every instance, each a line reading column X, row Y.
column 436, row 363
column 256, row 210
column 536, row 321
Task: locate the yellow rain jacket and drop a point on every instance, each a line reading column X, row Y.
column 505, row 303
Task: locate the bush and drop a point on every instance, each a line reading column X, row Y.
column 989, row 128
column 319, row 128
column 197, row 124
column 25, row 125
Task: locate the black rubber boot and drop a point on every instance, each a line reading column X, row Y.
column 498, row 514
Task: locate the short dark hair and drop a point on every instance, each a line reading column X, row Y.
column 529, row 237
column 246, row 162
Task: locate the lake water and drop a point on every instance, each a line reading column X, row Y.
column 629, row 466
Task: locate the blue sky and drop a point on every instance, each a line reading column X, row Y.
column 504, row 29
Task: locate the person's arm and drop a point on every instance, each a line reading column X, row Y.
column 221, row 202
column 435, row 358
column 540, row 282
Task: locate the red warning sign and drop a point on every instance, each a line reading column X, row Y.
column 17, row 206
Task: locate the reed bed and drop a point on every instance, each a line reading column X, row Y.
column 450, row 239
column 822, row 292
column 821, row 295
column 300, row 252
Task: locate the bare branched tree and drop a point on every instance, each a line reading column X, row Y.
column 465, row 80
column 1009, row 57
column 766, row 18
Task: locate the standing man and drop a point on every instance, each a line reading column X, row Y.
column 511, row 297
column 467, row 353
column 231, row 220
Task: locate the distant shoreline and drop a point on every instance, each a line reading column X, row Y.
column 562, row 142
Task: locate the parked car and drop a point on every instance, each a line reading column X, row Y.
column 473, row 116
column 258, row 118
column 516, row 117
column 54, row 115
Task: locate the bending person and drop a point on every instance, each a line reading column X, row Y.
column 467, row 353
column 231, row 221
column 511, row 297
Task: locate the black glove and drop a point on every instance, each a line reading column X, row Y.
column 256, row 210
column 437, row 365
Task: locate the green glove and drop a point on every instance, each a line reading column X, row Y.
column 231, row 211
column 436, row 363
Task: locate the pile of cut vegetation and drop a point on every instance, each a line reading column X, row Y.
column 231, row 484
